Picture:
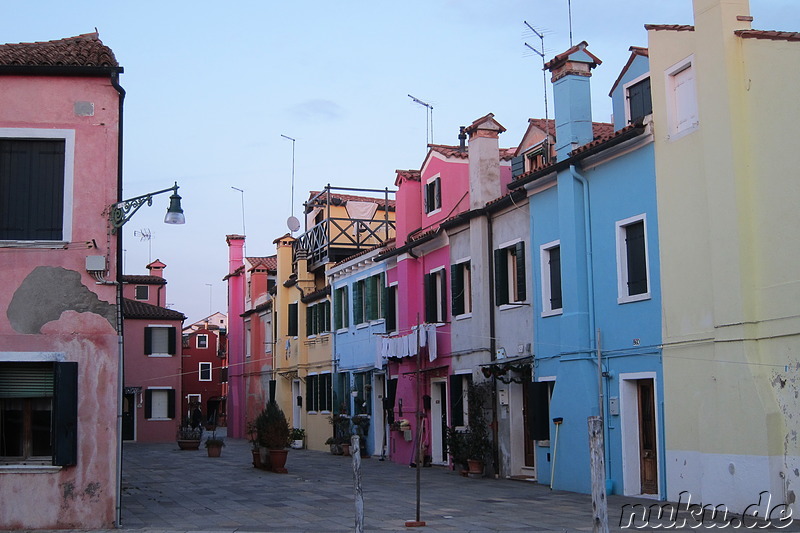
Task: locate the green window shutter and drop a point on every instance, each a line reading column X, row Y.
column 65, row 414
column 391, row 315
column 310, row 320
column 327, row 316
column 171, row 403
column 442, row 275
column 384, row 292
column 430, row 298
column 309, row 393
column 358, row 302
column 148, row 404
column 457, row 289
column 519, row 252
column 456, row 400
column 346, row 308
column 292, row 320
column 372, row 297
column 171, row 340
column 500, row 277
column 337, row 309
column 148, row 341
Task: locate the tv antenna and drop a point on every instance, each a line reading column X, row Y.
column 145, row 234
column 292, row 222
column 428, row 119
column 546, row 143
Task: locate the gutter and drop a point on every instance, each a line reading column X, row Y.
column 66, row 70
column 408, row 247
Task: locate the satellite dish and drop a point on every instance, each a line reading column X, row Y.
column 293, row 224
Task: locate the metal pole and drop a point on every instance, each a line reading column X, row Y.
column 355, row 445
column 418, row 444
column 597, row 464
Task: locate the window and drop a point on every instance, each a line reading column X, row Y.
column 159, row 404
column 202, row 341
column 318, row 318
column 341, row 315
column 142, row 292
column 681, row 98
column 319, row 392
column 459, row 406
column 363, row 399
column 435, row 297
column 248, row 339
column 509, row 274
column 205, row 372
column 433, row 195
column 38, row 413
column 551, row 278
column 368, row 296
column 537, row 406
column 460, row 286
column 632, row 268
column 293, row 320
column 36, row 184
column 639, row 99
column 391, row 308
column 159, row 341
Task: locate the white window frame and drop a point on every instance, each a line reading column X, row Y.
column 544, row 262
column 395, row 284
column 201, row 366
column 511, row 273
column 204, row 336
column 136, row 292
column 428, row 182
column 441, row 287
column 152, row 339
column 467, row 285
column 248, row 339
column 158, row 389
column 68, row 136
column 626, row 96
column 191, row 398
column 677, row 129
column 622, row 260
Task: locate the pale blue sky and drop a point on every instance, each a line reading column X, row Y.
column 211, row 86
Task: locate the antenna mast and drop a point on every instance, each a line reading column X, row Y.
column 546, row 144
column 569, row 14
column 428, row 119
column 293, row 141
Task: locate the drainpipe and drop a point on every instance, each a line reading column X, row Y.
column 592, row 332
column 120, row 356
column 492, row 344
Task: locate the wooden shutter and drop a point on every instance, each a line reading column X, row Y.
column 518, row 166
column 437, row 187
column 500, row 276
column 554, row 255
column 327, row 317
column 519, row 255
column 457, row 289
column 292, row 320
column 148, row 341
column 358, row 302
column 456, row 400
column 383, row 292
column 371, row 285
column 640, row 102
column 172, row 345
column 442, row 279
column 148, row 404
column 391, row 315
column 345, row 308
column 430, row 298
column 65, row 414
column 337, row 309
column 310, row 320
column 171, row 403
column 539, row 410
column 635, row 253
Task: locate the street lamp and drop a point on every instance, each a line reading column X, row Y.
column 122, row 211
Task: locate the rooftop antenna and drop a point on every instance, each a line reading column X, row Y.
column 428, row 119
column 244, row 233
column 546, row 144
column 292, row 222
column 569, row 14
column 144, row 234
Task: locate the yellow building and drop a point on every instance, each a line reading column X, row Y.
column 729, row 212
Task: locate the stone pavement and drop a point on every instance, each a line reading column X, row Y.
column 165, row 489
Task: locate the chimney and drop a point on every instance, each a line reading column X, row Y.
column 484, row 161
column 462, row 138
column 571, row 72
column 156, row 268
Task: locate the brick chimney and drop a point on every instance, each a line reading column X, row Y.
column 484, row 161
column 571, row 72
column 156, row 268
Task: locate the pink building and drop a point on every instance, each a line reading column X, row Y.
column 204, row 373
column 236, row 295
column 60, row 143
column 153, row 357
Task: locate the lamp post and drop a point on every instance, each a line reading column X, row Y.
column 121, row 212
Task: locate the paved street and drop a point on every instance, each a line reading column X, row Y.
column 165, row 489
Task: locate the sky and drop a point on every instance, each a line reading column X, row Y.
column 212, row 87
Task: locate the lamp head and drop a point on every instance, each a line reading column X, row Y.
column 175, row 213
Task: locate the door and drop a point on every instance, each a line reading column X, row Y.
column 129, row 417
column 379, row 414
column 529, row 448
column 438, row 421
column 297, row 401
column 648, row 453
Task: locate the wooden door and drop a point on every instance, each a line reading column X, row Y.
column 128, row 410
column 530, row 449
column 648, row 452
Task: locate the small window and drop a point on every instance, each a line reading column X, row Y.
column 205, row 372
column 509, row 274
column 459, row 405
column 640, row 101
column 142, row 292
column 551, row 278
column 460, row 281
column 159, row 404
column 681, row 98
column 159, row 340
column 202, row 341
column 318, row 318
column 632, row 267
column 391, row 309
column 435, row 297
column 293, row 319
column 248, row 339
column 433, row 195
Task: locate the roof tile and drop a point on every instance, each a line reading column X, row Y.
column 133, row 309
column 85, row 50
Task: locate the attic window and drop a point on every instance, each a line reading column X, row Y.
column 640, row 101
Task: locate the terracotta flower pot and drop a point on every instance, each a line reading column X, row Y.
column 185, row 444
column 214, row 451
column 475, row 467
column 277, row 459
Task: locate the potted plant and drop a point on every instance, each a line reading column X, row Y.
column 456, row 442
column 361, row 428
column 274, row 433
column 188, row 437
column 340, row 441
column 214, row 444
column 297, row 435
column 252, row 433
column 477, row 442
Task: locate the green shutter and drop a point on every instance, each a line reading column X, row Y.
column 337, row 309
column 309, row 393
column 346, row 308
column 457, row 289
column 430, row 298
column 500, row 277
column 292, row 320
column 148, row 404
column 172, row 333
column 384, row 292
column 372, row 297
column 26, row 380
column 171, row 403
column 358, row 302
column 148, row 341
column 519, row 253
column 442, row 275
column 310, row 320
column 65, row 414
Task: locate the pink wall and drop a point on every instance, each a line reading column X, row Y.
column 80, row 496
column 236, row 294
column 190, row 363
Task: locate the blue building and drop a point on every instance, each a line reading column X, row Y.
column 597, row 316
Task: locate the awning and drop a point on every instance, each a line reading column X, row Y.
column 509, row 369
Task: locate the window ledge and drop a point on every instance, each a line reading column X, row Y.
column 342, row 330
column 34, row 244
column 464, row 316
column 512, row 305
column 434, row 212
column 29, row 469
column 634, row 298
column 363, row 325
column 159, row 355
column 553, row 312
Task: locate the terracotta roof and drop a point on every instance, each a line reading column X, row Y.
column 135, row 309
column 506, row 154
column 669, row 27
column 485, row 118
column 563, row 56
column 599, row 129
column 635, row 51
column 604, row 138
column 368, row 250
column 85, row 50
column 236, row 272
column 270, row 262
column 143, row 279
column 406, row 175
column 771, row 35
